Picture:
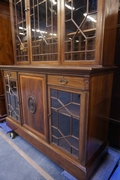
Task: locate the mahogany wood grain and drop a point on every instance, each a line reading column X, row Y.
column 111, row 15
column 2, row 105
column 34, row 86
column 12, row 74
column 114, row 125
column 75, row 82
column 99, row 111
column 6, row 50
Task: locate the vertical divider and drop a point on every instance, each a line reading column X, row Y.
column 28, row 24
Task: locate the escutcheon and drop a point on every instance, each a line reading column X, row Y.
column 32, row 104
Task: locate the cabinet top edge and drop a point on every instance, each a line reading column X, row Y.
column 68, row 70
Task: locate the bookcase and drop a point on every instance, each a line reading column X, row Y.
column 58, row 91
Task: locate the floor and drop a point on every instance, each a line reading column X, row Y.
column 19, row 160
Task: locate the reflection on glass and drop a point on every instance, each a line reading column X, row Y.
column 80, row 29
column 65, row 119
column 44, row 30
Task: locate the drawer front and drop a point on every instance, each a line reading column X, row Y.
column 10, row 74
column 74, row 82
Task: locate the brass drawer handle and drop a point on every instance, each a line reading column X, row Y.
column 63, row 81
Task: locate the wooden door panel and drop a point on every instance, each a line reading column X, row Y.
column 33, row 100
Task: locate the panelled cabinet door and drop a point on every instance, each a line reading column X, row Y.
column 33, row 98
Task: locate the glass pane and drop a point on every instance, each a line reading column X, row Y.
column 64, row 97
column 65, row 119
column 55, row 103
column 75, row 127
column 43, row 16
column 90, row 55
column 53, row 93
column 91, row 44
column 76, row 98
column 92, row 5
column 80, row 25
column 90, row 22
column 64, row 124
column 20, row 31
column 78, row 56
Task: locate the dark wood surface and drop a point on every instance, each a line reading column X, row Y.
column 111, row 15
column 6, row 51
column 57, row 70
column 114, row 126
column 99, row 111
column 2, row 106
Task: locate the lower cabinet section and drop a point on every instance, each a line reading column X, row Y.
column 65, row 117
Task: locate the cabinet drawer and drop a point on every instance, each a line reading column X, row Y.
column 75, row 82
column 12, row 75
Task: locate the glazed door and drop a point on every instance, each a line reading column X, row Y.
column 20, row 21
column 45, row 27
column 78, row 23
column 67, row 121
column 12, row 98
column 33, row 97
column 36, row 26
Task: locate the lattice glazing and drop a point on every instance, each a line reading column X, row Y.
column 44, row 30
column 20, row 31
column 12, row 100
column 65, row 120
column 80, row 29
